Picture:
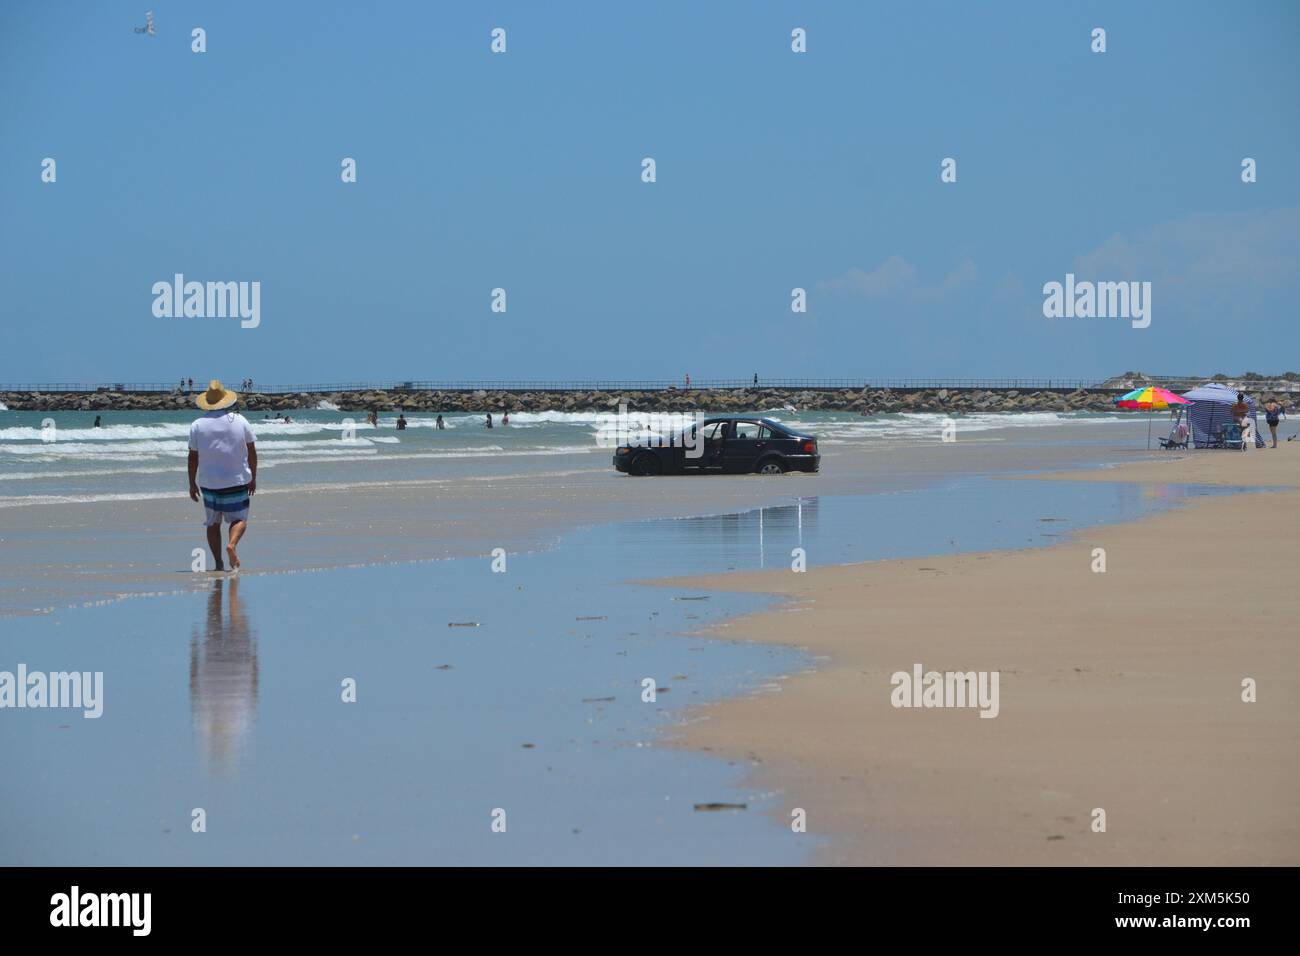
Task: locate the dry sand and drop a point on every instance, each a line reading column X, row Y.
column 1119, row 690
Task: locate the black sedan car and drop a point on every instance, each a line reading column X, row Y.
column 731, row 445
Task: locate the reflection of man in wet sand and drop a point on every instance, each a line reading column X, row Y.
column 223, row 678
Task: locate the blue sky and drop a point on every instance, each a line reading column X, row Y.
column 522, row 171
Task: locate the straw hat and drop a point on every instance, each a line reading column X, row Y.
column 216, row 397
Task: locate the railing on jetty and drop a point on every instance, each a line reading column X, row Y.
column 651, row 385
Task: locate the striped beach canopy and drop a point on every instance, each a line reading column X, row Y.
column 1212, row 409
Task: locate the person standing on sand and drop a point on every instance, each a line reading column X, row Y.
column 1241, row 415
column 1240, row 410
column 222, row 468
column 1273, row 414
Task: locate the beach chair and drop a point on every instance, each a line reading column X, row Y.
column 1178, row 437
column 1230, row 437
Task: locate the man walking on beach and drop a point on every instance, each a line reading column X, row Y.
column 223, row 468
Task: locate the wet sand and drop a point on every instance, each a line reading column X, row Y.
column 1119, row 690
column 229, row 699
column 70, row 553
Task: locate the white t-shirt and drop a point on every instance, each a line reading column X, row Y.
column 222, row 438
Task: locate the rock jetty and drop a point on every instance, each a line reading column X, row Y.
column 868, row 400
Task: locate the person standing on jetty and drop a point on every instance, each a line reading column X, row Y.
column 222, row 468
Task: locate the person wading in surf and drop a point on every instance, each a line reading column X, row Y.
column 222, row 468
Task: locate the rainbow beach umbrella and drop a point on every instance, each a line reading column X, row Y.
column 1150, row 397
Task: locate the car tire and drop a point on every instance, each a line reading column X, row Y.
column 770, row 466
column 646, row 465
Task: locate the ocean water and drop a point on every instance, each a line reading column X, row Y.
column 60, row 456
column 478, row 693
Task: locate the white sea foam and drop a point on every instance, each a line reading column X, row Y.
column 23, row 500
column 322, row 453
column 83, row 473
column 927, row 425
column 17, row 501
column 264, row 429
column 122, row 457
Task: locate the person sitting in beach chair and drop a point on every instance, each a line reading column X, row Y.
column 1231, row 436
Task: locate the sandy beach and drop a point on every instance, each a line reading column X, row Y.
column 1120, row 690
column 143, row 545
column 521, row 689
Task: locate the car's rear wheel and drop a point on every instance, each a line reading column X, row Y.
column 646, row 464
column 770, row 466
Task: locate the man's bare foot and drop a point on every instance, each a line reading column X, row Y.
column 234, row 558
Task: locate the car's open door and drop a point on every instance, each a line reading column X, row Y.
column 712, row 440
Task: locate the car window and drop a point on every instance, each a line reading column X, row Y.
column 712, row 432
column 747, row 431
column 764, row 433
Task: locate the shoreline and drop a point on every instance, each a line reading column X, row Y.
column 1119, row 690
column 142, row 545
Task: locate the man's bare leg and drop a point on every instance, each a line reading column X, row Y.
column 214, row 544
column 237, row 529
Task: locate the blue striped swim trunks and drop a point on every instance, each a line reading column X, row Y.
column 228, row 503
